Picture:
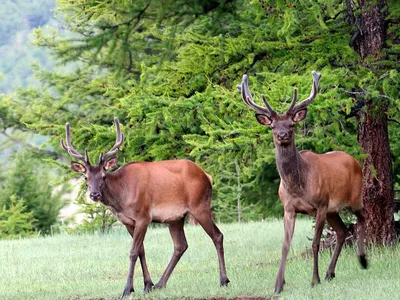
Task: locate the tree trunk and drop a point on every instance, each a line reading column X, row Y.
column 378, row 192
column 370, row 36
column 238, row 190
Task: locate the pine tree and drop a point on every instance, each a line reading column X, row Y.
column 30, row 181
column 169, row 72
column 16, row 220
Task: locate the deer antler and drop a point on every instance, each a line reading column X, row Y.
column 248, row 99
column 314, row 91
column 118, row 142
column 70, row 149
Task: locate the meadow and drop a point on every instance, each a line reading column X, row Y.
column 94, row 266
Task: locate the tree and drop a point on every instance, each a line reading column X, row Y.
column 168, row 71
column 26, row 179
column 16, row 221
column 369, row 41
column 229, row 204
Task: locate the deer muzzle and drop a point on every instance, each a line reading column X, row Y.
column 95, row 196
column 282, row 136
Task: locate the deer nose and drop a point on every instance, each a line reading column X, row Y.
column 282, row 136
column 95, row 196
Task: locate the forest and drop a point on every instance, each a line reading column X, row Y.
column 169, row 70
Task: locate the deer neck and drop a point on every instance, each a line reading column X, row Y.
column 292, row 168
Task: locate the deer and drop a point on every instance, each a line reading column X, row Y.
column 139, row 193
column 320, row 185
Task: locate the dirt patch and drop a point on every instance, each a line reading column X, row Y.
column 240, row 298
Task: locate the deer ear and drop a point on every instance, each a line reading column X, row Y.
column 300, row 115
column 111, row 163
column 263, row 120
column 77, row 167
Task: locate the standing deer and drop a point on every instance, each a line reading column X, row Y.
column 143, row 192
column 319, row 185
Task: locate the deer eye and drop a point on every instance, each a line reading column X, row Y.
column 291, row 125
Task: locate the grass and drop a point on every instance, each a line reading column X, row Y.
column 95, row 266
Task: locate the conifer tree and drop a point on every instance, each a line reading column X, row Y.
column 168, row 70
column 15, row 220
column 370, row 29
column 33, row 185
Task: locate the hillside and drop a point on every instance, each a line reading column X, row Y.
column 18, row 19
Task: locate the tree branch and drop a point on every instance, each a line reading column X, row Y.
column 393, row 120
column 355, row 109
column 30, row 146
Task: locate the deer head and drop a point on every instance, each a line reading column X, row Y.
column 282, row 125
column 94, row 174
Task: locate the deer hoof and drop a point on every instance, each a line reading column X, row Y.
column 148, row 286
column 278, row 290
column 329, row 276
column 224, row 282
column 315, row 281
column 127, row 291
column 159, row 286
column 279, row 287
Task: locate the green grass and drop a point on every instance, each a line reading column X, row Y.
column 95, row 266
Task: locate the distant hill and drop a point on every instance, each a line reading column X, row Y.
column 18, row 19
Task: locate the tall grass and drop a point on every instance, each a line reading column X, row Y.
column 95, row 266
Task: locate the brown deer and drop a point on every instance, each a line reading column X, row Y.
column 319, row 185
column 143, row 192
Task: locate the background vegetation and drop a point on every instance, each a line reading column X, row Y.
column 169, row 71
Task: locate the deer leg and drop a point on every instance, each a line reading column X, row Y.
column 341, row 231
column 319, row 226
column 148, row 283
column 205, row 220
column 180, row 246
column 138, row 237
column 360, row 239
column 288, row 221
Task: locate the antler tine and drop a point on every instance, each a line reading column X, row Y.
column 294, row 100
column 118, row 142
column 248, row 99
column 314, row 91
column 272, row 112
column 69, row 148
column 87, row 156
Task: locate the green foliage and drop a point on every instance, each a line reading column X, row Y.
column 31, row 181
column 16, row 221
column 169, row 71
column 98, row 218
